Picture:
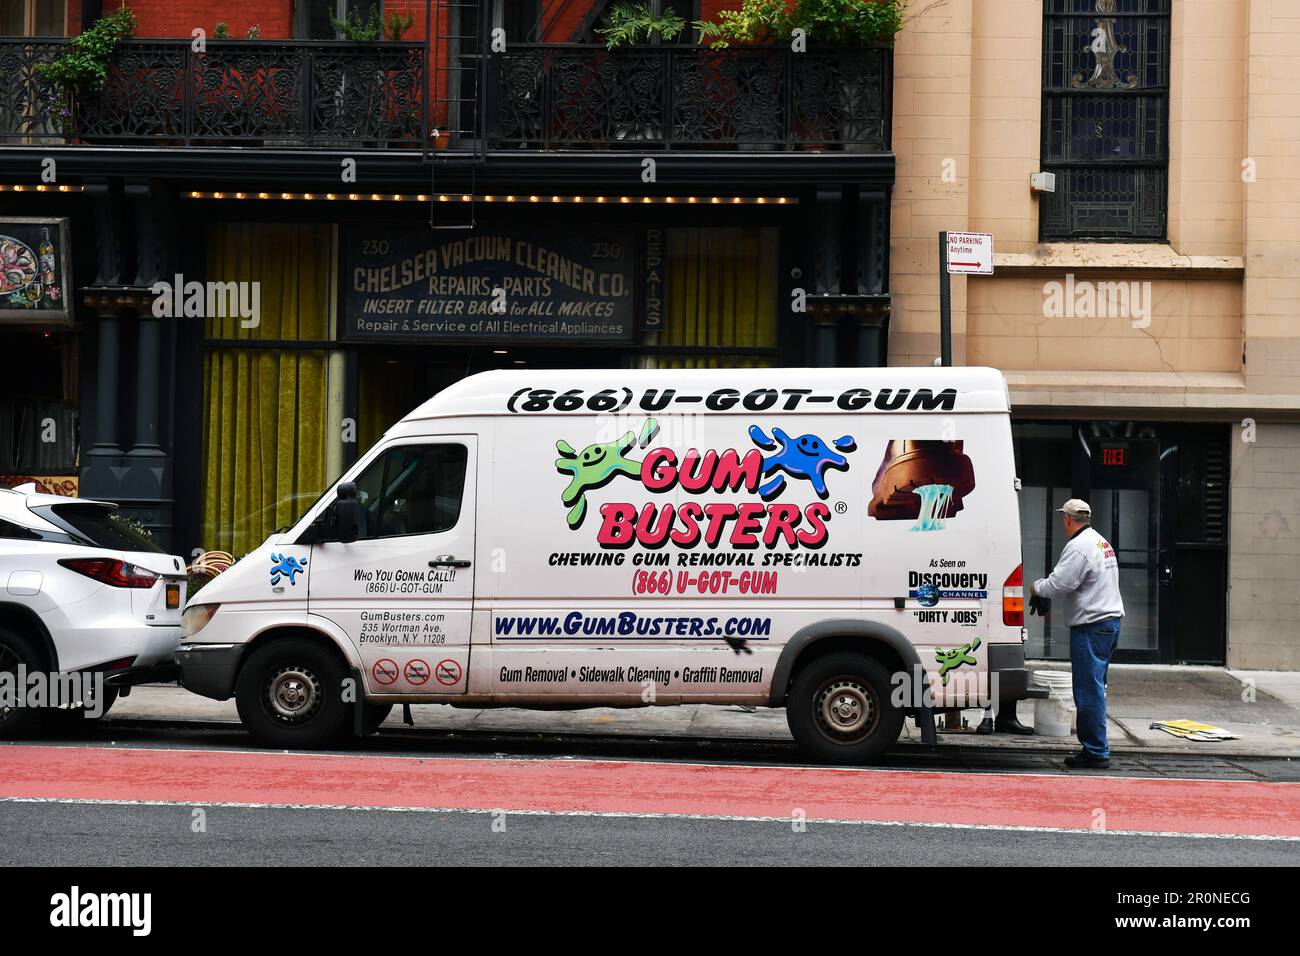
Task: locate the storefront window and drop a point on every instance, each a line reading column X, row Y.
column 720, row 296
column 38, row 413
column 273, row 389
column 32, row 18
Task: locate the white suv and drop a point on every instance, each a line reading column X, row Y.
column 82, row 591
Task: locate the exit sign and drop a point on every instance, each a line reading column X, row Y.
column 970, row 253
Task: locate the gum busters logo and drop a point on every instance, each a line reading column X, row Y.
column 762, row 471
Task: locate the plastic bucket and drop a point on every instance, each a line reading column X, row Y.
column 1054, row 715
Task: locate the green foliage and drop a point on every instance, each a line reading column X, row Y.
column 757, row 21
column 221, row 31
column 634, row 23
column 847, row 22
column 85, row 66
column 851, row 21
column 357, row 29
column 396, row 25
column 254, row 32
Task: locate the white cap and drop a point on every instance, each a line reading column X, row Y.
column 1076, row 508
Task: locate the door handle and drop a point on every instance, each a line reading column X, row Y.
column 448, row 561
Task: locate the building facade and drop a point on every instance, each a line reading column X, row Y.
column 1145, row 311
column 342, row 225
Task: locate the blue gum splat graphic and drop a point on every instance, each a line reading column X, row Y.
column 288, row 566
column 804, row 457
column 934, row 502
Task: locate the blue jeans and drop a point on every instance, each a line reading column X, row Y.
column 1091, row 646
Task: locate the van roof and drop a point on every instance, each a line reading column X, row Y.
column 718, row 391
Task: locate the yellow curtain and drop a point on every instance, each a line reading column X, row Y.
column 267, row 410
column 720, row 292
column 386, row 384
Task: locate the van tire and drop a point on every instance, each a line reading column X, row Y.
column 17, row 649
column 839, row 710
column 290, row 695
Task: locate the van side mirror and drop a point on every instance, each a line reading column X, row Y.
column 347, row 513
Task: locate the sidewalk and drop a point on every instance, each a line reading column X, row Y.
column 1268, row 725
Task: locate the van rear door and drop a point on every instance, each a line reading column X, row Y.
column 403, row 591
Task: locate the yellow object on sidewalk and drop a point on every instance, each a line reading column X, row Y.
column 1191, row 730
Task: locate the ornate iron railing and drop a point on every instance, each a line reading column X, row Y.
column 285, row 93
column 574, row 96
column 236, row 92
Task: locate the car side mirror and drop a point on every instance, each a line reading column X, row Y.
column 347, row 513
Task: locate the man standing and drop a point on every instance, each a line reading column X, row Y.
column 1087, row 578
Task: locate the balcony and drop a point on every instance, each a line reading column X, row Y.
column 255, row 92
column 554, row 96
column 542, row 97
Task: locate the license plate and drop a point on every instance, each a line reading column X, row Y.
column 173, row 596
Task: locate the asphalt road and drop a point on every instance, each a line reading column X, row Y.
column 96, row 835
column 140, row 793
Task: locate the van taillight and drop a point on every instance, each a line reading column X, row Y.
column 110, row 571
column 1013, row 599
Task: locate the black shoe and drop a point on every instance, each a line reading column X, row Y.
column 985, row 727
column 1083, row 761
column 1010, row 724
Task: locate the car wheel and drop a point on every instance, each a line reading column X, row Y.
column 839, row 709
column 15, row 649
column 290, row 694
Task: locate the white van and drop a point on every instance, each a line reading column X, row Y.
column 844, row 543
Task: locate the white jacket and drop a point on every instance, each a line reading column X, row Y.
column 1086, row 580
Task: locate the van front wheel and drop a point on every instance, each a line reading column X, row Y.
column 839, row 709
column 290, row 694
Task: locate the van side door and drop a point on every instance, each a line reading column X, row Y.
column 403, row 591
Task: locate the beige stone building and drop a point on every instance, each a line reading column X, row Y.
column 1145, row 311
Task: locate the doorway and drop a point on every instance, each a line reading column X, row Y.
column 1159, row 496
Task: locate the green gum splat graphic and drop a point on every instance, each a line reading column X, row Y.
column 955, row 658
column 596, row 465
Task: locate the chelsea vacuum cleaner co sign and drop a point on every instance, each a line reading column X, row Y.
column 541, row 285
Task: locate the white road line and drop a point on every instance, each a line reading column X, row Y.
column 631, row 815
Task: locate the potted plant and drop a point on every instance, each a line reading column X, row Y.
column 83, row 70
column 629, row 24
column 825, row 23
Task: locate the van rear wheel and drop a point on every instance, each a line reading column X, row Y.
column 290, row 694
column 839, row 711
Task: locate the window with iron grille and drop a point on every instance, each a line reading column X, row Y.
column 1105, row 119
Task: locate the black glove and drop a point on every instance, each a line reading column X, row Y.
column 1039, row 605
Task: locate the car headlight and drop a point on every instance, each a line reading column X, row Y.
column 196, row 617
